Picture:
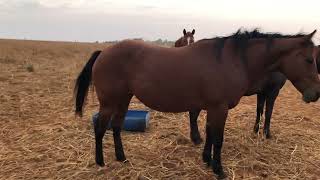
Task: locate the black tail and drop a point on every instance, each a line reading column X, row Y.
column 83, row 82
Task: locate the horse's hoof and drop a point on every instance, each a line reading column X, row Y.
column 197, row 141
column 222, row 176
column 206, row 158
column 267, row 134
column 100, row 163
column 217, row 169
column 256, row 128
column 121, row 157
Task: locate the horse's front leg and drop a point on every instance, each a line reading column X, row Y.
column 194, row 130
column 216, row 119
column 261, row 99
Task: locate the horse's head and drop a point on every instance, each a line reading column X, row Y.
column 297, row 62
column 188, row 37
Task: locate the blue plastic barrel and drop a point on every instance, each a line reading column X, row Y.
column 135, row 120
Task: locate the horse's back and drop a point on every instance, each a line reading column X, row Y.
column 130, row 57
column 122, row 51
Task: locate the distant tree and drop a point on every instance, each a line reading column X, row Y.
column 138, row 39
column 159, row 41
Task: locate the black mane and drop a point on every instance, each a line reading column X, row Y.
column 241, row 39
column 257, row 34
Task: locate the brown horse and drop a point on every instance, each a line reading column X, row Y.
column 267, row 90
column 186, row 39
column 211, row 74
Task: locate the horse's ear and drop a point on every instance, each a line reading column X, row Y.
column 193, row 31
column 184, row 32
column 309, row 36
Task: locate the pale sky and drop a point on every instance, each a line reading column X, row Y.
column 103, row 20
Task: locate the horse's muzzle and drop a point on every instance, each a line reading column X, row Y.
column 310, row 95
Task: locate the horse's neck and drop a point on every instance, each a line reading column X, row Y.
column 261, row 65
column 265, row 59
column 316, row 53
column 178, row 42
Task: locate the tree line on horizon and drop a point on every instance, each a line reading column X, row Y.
column 159, row 41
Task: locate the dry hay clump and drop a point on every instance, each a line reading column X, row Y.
column 40, row 137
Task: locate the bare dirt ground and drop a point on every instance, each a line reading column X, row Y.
column 41, row 139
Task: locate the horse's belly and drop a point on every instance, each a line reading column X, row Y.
column 169, row 103
column 167, row 93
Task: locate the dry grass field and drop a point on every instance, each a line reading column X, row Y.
column 40, row 138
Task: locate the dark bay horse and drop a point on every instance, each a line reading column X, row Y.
column 211, row 74
column 267, row 91
column 186, row 39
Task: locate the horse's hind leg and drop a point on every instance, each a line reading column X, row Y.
column 100, row 128
column 194, row 130
column 117, row 123
column 271, row 98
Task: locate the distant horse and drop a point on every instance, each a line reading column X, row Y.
column 186, row 39
column 194, row 130
column 267, row 90
column 171, row 80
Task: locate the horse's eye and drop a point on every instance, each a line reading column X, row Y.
column 309, row 60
